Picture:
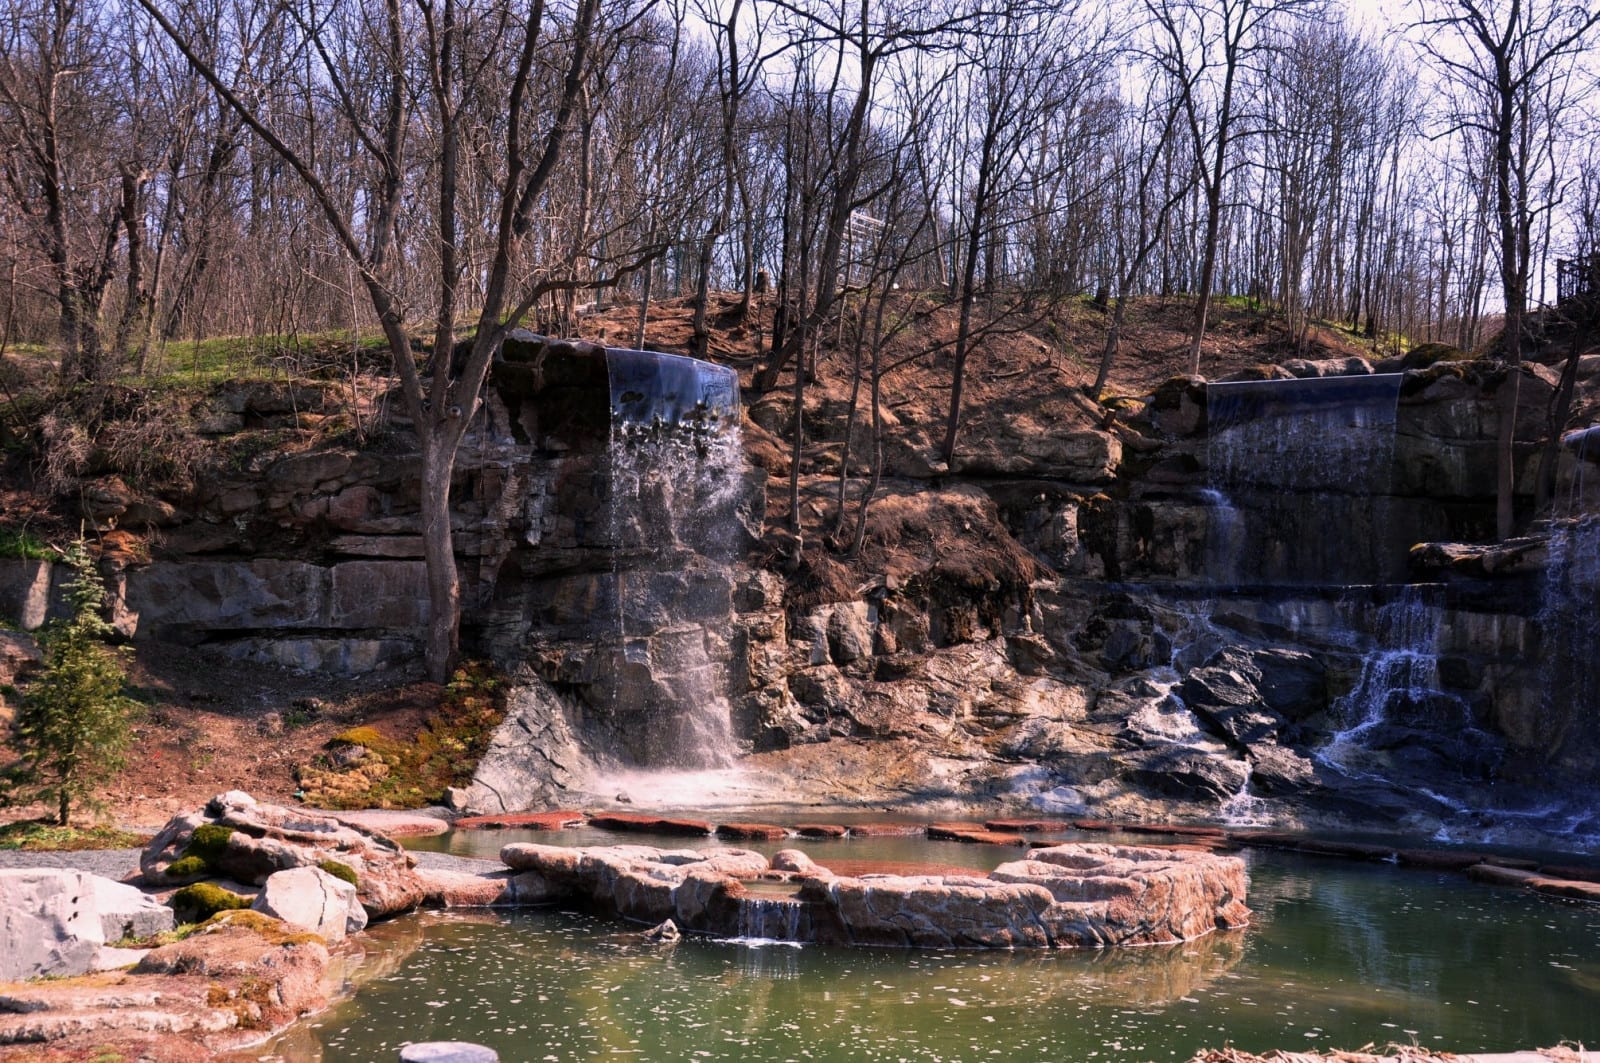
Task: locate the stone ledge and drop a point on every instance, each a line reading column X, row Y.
column 1063, row 897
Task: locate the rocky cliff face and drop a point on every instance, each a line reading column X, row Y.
column 1076, row 618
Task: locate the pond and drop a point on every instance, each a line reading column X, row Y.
column 1340, row 954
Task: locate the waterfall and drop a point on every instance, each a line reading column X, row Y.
column 1585, row 445
column 771, row 919
column 1569, row 620
column 675, row 485
column 1396, row 721
column 1301, row 471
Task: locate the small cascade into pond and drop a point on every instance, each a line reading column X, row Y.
column 675, row 470
column 1300, row 474
column 1397, row 723
column 771, row 912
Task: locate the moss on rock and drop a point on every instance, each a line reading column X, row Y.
column 203, row 900
column 365, row 768
column 341, row 871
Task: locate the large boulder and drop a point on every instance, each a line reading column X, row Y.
column 312, row 899
column 239, row 838
column 54, row 921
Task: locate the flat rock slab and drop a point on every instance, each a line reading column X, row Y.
column 1583, row 874
column 1027, row 826
column 756, row 831
column 1062, row 896
column 821, row 830
column 394, row 824
column 973, row 833
column 887, row 830
column 564, row 820
column 620, row 821
column 220, row 990
column 448, row 1052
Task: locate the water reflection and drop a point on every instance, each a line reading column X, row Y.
column 1339, row 954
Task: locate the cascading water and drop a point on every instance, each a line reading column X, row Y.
column 1300, row 471
column 1569, row 618
column 1398, row 724
column 775, row 919
column 675, row 484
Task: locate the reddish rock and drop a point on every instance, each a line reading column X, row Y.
column 523, row 821
column 821, row 830
column 1264, row 839
column 1133, row 895
column 1501, row 876
column 1511, row 862
column 1582, row 874
column 1182, row 830
column 1094, row 825
column 761, row 831
column 795, row 862
column 1347, row 850
column 1572, row 889
column 887, row 830
column 1027, row 826
column 1438, row 859
column 214, row 992
column 974, row 833
column 623, row 821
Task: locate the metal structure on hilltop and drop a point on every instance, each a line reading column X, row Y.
column 1578, row 284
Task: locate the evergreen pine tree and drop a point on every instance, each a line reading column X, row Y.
column 72, row 729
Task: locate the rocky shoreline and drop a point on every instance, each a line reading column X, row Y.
column 248, row 975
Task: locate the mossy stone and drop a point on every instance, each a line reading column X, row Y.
column 201, row 901
column 341, row 871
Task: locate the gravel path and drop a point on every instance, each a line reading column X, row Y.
column 112, row 863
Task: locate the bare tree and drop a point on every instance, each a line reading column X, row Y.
column 1510, row 62
column 433, row 66
column 1205, row 47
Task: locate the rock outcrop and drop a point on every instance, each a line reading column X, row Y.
column 1065, row 896
column 239, row 838
column 56, row 922
column 229, row 986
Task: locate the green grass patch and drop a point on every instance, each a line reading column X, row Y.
column 224, row 359
column 365, row 768
column 19, row 544
column 36, row 836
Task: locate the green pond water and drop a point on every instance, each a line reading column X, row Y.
column 1339, row 955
